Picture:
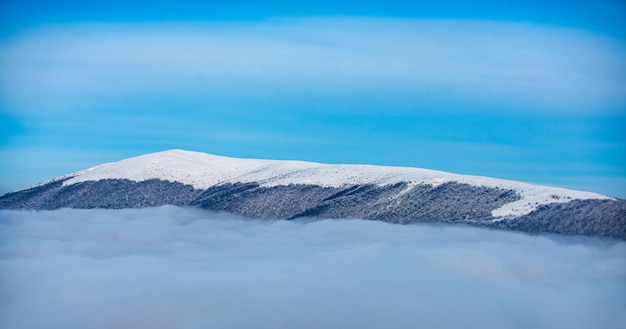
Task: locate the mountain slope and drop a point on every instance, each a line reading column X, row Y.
column 292, row 189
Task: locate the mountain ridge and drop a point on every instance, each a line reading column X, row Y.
column 202, row 170
column 291, row 189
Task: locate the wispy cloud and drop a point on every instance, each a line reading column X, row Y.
column 183, row 268
column 527, row 65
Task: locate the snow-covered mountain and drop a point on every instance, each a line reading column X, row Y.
column 291, row 189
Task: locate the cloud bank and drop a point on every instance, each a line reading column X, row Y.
column 183, row 268
column 521, row 64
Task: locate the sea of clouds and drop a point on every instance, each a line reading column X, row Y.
column 173, row 267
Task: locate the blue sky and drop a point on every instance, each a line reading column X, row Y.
column 524, row 90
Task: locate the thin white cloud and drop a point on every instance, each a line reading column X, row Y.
column 523, row 63
column 183, row 268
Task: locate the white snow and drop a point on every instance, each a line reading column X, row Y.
column 202, row 170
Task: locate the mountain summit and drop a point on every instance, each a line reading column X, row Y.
column 291, row 189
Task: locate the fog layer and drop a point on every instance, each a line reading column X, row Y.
column 184, row 268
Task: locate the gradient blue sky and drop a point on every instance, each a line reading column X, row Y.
column 524, row 90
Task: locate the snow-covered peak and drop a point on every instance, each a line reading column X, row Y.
column 202, row 170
